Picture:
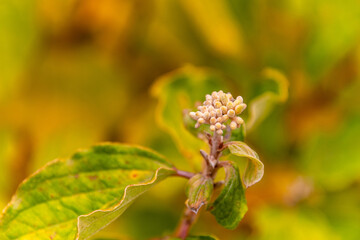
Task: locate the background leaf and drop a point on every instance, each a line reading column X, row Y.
column 104, row 179
column 230, row 206
column 261, row 106
column 254, row 169
column 177, row 91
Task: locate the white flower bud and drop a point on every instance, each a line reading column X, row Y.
column 219, row 119
column 208, row 97
column 236, row 102
column 215, row 95
column 223, row 109
column 233, row 125
column 224, row 99
column 230, row 105
column 225, row 118
column 231, row 113
column 202, row 109
column 206, row 115
column 207, row 103
column 217, row 104
column 201, row 120
column 218, row 125
column 239, row 120
column 212, row 128
column 229, row 96
column 218, row 112
column 240, row 108
column 223, row 126
column 212, row 120
column 220, row 132
column 239, row 98
column 213, row 113
column 199, row 114
column 193, row 115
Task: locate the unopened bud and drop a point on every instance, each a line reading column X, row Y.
column 239, row 108
column 225, row 118
column 233, row 125
column 230, row 105
column 217, row 104
column 223, row 109
column 239, row 120
column 215, row 95
column 231, row 113
column 213, row 120
column 201, row 120
column 206, row 115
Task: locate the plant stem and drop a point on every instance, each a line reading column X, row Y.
column 211, row 166
column 186, row 222
column 184, row 174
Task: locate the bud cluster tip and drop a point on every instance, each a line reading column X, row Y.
column 218, row 109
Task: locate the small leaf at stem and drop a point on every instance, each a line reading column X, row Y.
column 230, row 206
column 199, row 191
column 76, row 197
column 254, row 169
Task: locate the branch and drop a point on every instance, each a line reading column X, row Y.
column 183, row 174
column 186, row 223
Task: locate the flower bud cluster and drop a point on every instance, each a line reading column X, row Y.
column 218, row 109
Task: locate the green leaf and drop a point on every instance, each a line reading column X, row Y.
column 76, row 197
column 254, row 169
column 177, row 91
column 261, row 106
column 230, row 206
column 199, row 191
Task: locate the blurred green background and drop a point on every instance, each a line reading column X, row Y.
column 77, row 72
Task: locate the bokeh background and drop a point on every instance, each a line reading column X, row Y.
column 77, row 72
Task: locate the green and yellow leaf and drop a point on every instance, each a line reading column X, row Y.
column 230, row 206
column 199, row 191
column 254, row 169
column 76, row 197
column 261, row 106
